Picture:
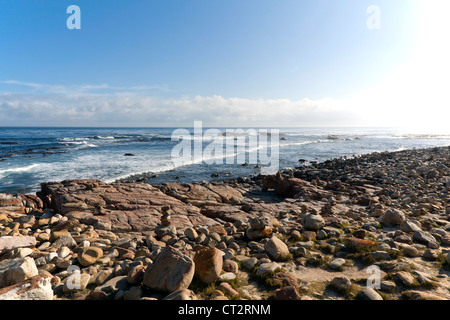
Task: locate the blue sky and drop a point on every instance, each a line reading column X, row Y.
column 234, row 62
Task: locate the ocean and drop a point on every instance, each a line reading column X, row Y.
column 32, row 155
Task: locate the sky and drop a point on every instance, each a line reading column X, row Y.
column 228, row 63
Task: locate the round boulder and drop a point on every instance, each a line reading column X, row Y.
column 88, row 256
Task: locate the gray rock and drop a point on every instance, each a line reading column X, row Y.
column 388, row 286
column 404, row 278
column 425, row 238
column 64, row 241
column 13, row 271
column 228, row 276
column 190, row 233
column 393, row 217
column 430, row 255
column 321, row 234
column 410, row 251
column 266, row 268
column 409, row 226
column 341, row 284
column 313, row 222
column 250, row 263
column 380, row 255
column 259, row 223
column 369, row 294
column 337, row 263
column 135, row 293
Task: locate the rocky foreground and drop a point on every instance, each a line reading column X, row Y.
column 372, row 227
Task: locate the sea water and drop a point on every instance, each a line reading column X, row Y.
column 31, row 155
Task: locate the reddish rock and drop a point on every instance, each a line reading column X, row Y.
column 208, row 264
column 360, row 244
column 227, row 289
column 287, row 293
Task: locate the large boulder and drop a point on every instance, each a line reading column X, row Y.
column 170, row 271
column 13, row 271
column 425, row 238
column 313, row 222
column 393, row 217
column 208, row 264
column 276, row 249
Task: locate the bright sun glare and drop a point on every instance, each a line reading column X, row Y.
column 416, row 94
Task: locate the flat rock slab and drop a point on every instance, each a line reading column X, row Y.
column 9, row 243
column 129, row 206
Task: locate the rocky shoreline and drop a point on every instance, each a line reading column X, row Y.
column 372, row 227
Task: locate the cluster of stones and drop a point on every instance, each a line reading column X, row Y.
column 315, row 232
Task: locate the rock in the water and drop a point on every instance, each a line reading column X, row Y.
column 208, row 264
column 13, row 271
column 36, row 288
column 276, row 249
column 170, row 271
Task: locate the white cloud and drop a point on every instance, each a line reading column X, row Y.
column 133, row 109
